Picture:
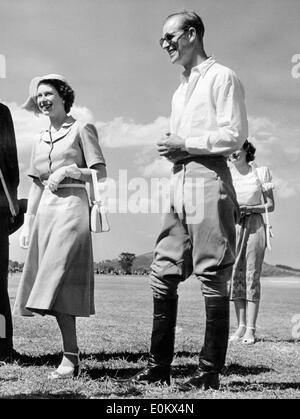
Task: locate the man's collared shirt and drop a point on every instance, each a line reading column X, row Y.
column 208, row 110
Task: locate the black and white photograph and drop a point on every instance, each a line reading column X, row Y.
column 149, row 207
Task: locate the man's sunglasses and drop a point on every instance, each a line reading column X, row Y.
column 169, row 37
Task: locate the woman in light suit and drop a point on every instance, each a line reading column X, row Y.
column 58, row 275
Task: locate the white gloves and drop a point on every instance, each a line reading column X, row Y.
column 26, row 230
column 58, row 176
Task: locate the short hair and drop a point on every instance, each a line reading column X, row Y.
column 250, row 151
column 64, row 91
column 190, row 20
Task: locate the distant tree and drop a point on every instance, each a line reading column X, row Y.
column 14, row 266
column 126, row 261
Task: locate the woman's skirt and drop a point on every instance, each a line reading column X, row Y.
column 58, row 273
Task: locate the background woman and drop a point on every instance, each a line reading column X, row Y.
column 58, row 277
column 254, row 190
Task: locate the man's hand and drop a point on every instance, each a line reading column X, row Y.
column 172, row 147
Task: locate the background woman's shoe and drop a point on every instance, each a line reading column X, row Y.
column 234, row 338
column 251, row 339
column 67, row 371
column 238, row 334
column 248, row 341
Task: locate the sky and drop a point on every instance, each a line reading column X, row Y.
column 123, row 82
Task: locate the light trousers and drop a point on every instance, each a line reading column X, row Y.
column 198, row 230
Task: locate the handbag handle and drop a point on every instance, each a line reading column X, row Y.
column 11, row 205
column 94, row 190
column 96, row 199
column 268, row 225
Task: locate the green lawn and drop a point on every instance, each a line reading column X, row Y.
column 114, row 343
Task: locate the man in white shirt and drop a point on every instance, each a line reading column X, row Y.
column 208, row 122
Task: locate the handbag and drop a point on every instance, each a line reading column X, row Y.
column 268, row 227
column 98, row 218
column 16, row 220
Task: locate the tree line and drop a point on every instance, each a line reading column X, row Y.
column 123, row 265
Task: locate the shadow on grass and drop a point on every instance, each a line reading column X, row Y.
column 181, row 369
column 111, row 373
column 243, row 371
column 53, row 359
column 238, row 386
column 276, row 340
column 178, row 371
column 30, row 360
column 46, row 396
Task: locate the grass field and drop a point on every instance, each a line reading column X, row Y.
column 114, row 343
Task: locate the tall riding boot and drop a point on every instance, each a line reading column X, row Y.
column 162, row 342
column 213, row 353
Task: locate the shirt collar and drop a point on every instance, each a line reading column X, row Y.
column 200, row 68
column 62, row 132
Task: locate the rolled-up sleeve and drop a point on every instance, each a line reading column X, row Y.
column 90, row 145
column 231, row 119
column 266, row 179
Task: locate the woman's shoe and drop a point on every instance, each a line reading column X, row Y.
column 252, row 339
column 64, row 371
column 235, row 337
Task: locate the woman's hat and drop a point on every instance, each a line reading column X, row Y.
column 31, row 103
